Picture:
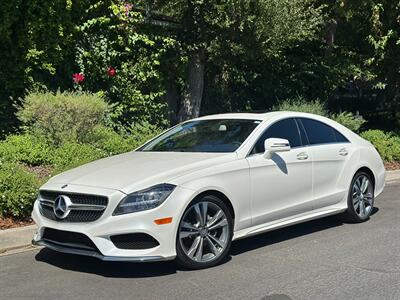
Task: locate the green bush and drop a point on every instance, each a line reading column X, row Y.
column 387, row 144
column 128, row 139
column 316, row 107
column 71, row 154
column 349, row 120
column 109, row 141
column 62, row 131
column 62, row 116
column 26, row 148
column 18, row 189
column 300, row 104
column 395, row 139
column 138, row 134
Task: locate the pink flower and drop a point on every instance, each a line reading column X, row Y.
column 128, row 7
column 78, row 78
column 111, row 71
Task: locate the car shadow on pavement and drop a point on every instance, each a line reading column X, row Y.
column 92, row 265
column 287, row 233
column 140, row 270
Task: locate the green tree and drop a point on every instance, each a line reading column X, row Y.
column 366, row 39
column 237, row 52
column 384, row 61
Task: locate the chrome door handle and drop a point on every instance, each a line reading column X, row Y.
column 302, row 156
column 343, row 152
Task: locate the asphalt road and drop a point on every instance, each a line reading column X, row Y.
column 323, row 259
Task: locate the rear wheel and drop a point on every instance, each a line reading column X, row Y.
column 361, row 198
column 205, row 233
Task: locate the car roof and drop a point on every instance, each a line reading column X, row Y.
column 260, row 116
column 248, row 116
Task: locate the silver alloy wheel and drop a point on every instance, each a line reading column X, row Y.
column 362, row 195
column 204, row 232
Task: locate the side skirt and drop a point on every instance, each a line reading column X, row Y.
column 315, row 214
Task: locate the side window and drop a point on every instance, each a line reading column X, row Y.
column 320, row 133
column 284, row 129
column 303, row 134
column 340, row 138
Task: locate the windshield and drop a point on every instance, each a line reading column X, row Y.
column 222, row 135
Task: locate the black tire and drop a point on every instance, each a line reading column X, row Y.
column 183, row 259
column 352, row 213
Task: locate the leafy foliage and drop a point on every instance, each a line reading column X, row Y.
column 387, row 144
column 256, row 51
column 18, row 190
column 63, row 116
column 342, row 52
column 384, row 37
column 112, row 142
column 61, row 131
column 73, row 154
column 37, row 44
column 300, row 104
column 349, row 120
column 26, row 148
column 111, row 41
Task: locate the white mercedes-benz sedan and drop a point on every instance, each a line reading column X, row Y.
column 189, row 192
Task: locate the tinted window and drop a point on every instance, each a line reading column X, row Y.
column 303, row 134
column 318, row 132
column 285, row 129
column 216, row 135
column 340, row 138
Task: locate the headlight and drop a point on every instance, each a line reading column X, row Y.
column 145, row 199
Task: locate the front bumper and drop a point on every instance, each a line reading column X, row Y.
column 96, row 254
column 100, row 231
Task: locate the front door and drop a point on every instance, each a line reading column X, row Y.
column 281, row 187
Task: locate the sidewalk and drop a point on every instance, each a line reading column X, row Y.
column 16, row 238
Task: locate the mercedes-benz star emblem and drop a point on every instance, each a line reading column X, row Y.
column 61, row 206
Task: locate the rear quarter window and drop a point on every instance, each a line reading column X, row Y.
column 340, row 138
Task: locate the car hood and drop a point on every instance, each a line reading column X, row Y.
column 133, row 171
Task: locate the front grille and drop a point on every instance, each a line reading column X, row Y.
column 134, row 241
column 68, row 239
column 85, row 207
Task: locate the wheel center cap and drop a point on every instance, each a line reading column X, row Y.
column 361, row 196
column 204, row 232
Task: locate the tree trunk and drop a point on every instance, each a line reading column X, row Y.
column 330, row 35
column 193, row 94
column 172, row 99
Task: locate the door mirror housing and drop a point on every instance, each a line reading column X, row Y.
column 273, row 145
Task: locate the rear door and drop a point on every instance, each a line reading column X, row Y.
column 330, row 151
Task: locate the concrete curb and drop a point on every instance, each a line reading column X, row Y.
column 392, row 176
column 17, row 238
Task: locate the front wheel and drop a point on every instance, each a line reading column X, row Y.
column 205, row 233
column 360, row 199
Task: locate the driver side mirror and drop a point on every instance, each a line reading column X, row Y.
column 273, row 145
